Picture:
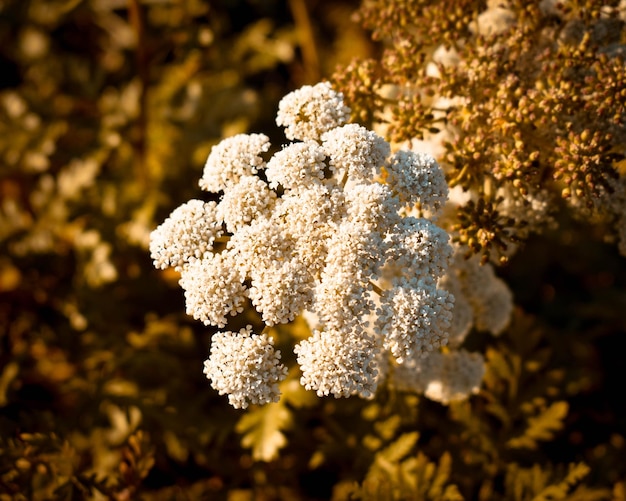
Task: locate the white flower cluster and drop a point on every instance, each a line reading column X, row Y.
column 246, row 367
column 488, row 296
column 443, row 377
column 482, row 301
column 310, row 111
column 189, row 232
column 321, row 227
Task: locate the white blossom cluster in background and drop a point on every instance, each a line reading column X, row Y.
column 443, row 377
column 482, row 301
column 322, row 227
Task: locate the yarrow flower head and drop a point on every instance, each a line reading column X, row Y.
column 414, row 318
column 310, row 111
column 213, row 288
column 355, row 151
column 418, row 179
column 296, row 165
column 245, row 201
column 338, row 364
column 189, row 232
column 319, row 227
column 233, row 158
column 245, row 367
column 442, row 377
column 489, row 296
column 419, row 247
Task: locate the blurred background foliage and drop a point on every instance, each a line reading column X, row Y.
column 108, row 109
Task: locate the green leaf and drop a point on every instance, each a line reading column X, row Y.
column 541, row 427
column 546, row 483
column 416, row 478
column 261, row 430
column 387, row 429
column 441, row 476
column 398, row 450
column 561, row 490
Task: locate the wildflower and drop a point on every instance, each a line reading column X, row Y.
column 418, row 180
column 442, row 377
column 245, row 201
column 298, row 164
column 342, row 292
column 213, row 288
column 414, row 318
column 372, row 205
column 489, row 296
column 419, row 248
column 317, row 231
column 245, row 367
column 338, row 364
column 233, row 158
column 355, row 151
column 189, row 232
column 310, row 111
column 291, row 286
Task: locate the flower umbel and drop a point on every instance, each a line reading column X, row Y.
column 323, row 230
column 246, row 367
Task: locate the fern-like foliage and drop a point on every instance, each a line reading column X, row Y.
column 540, row 484
column 396, row 474
column 541, row 427
column 262, row 430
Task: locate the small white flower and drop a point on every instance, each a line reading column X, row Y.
column 414, row 317
column 281, row 291
column 339, row 364
column 371, row 205
column 213, row 288
column 342, row 296
column 310, row 111
column 263, row 243
column 188, row 232
column 493, row 310
column 418, row 179
column 245, row 201
column 418, row 248
column 245, row 367
column 355, row 151
column 442, row 377
column 298, row 164
column 490, row 297
column 233, row 158
column 308, row 216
